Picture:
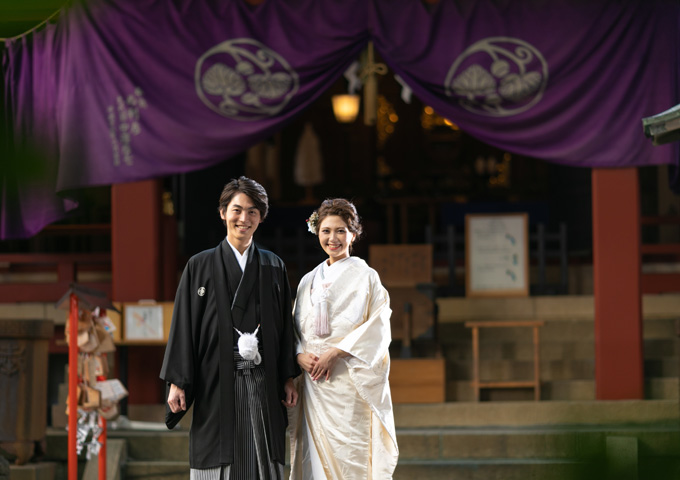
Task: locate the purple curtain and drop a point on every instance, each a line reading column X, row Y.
column 28, row 161
column 124, row 90
column 128, row 90
column 567, row 81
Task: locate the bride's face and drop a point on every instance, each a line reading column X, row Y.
column 335, row 238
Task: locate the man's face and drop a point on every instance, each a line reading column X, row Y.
column 241, row 218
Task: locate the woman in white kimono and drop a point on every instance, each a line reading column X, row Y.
column 343, row 425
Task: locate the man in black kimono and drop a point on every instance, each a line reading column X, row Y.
column 239, row 394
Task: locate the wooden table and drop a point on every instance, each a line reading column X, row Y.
column 477, row 384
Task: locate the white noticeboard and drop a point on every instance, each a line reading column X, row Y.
column 496, row 255
column 144, row 322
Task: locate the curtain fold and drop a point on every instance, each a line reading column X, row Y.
column 29, row 147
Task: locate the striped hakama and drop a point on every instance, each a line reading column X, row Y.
column 252, row 460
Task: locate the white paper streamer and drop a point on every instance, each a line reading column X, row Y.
column 352, row 76
column 406, row 91
column 87, row 434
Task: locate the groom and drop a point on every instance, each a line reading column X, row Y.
column 239, row 416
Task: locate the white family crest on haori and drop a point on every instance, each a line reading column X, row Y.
column 201, row 291
column 244, row 79
column 498, row 76
column 247, row 345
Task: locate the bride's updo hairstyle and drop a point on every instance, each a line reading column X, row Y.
column 343, row 209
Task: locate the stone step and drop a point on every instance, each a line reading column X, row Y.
column 490, row 440
column 474, row 414
column 530, row 413
column 527, row 413
column 33, row 471
column 472, row 469
column 415, row 444
column 164, row 470
column 486, row 469
column 171, row 445
column 444, row 444
column 156, row 470
column 573, row 443
column 140, row 444
column 472, row 443
column 465, row 469
column 568, row 441
column 494, row 469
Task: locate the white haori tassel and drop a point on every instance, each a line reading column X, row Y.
column 247, row 346
column 319, row 297
column 322, row 326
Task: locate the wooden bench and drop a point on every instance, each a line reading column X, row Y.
column 478, row 384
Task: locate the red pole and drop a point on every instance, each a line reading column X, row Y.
column 619, row 355
column 73, row 388
column 102, row 450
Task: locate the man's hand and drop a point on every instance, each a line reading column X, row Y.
column 176, row 399
column 291, row 394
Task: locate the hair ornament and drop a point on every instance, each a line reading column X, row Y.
column 313, row 222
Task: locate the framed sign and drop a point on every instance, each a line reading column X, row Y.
column 144, row 322
column 496, row 255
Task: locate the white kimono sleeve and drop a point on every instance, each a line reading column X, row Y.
column 370, row 341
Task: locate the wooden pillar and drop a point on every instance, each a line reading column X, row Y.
column 135, row 241
column 136, row 225
column 616, row 275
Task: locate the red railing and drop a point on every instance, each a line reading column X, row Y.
column 45, row 277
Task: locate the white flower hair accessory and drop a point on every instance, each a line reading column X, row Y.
column 312, row 222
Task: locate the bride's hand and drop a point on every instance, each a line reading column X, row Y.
column 326, row 362
column 307, row 361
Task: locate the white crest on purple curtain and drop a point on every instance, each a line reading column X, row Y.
column 244, row 80
column 498, row 76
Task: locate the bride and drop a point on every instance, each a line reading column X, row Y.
column 343, row 425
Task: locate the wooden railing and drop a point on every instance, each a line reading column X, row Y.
column 660, row 282
column 544, row 247
column 45, row 277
